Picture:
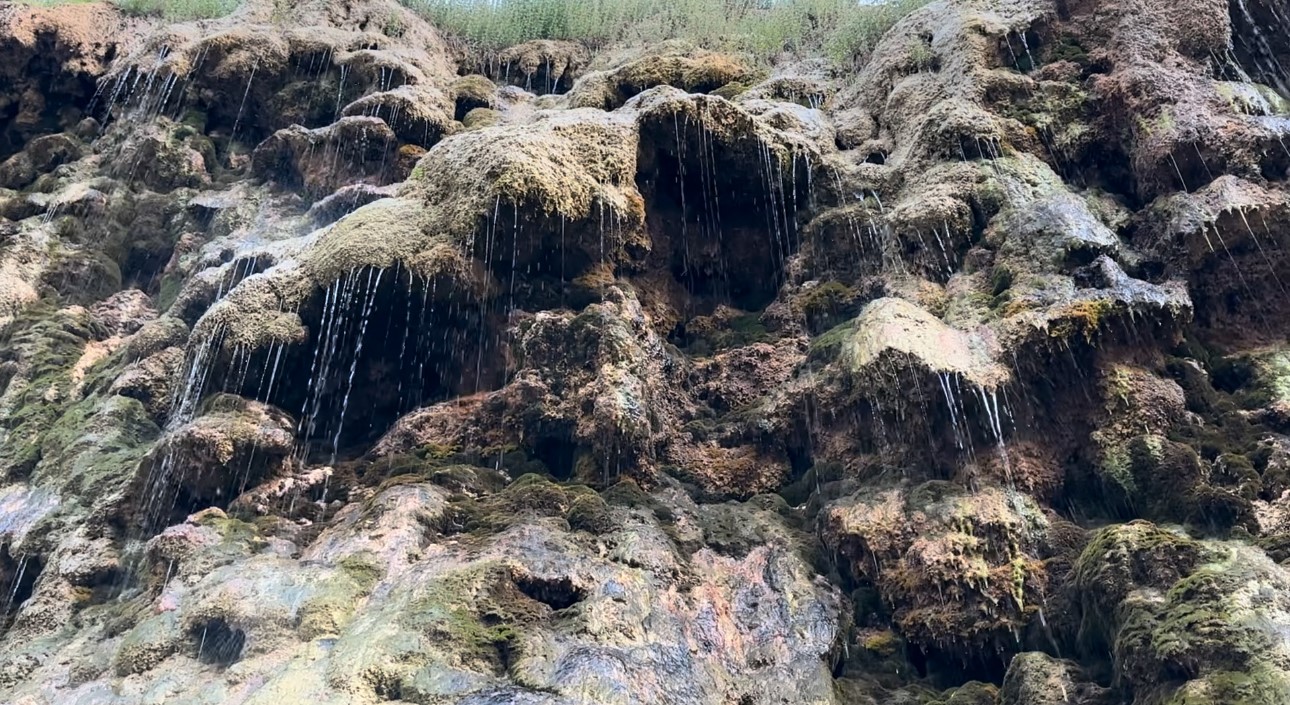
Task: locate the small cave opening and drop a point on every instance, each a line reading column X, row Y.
column 176, row 485
column 18, row 576
column 557, row 593
column 1191, row 170
column 1238, row 293
column 217, row 642
column 951, row 668
column 722, row 211
column 382, row 343
column 1030, row 48
column 311, row 94
column 558, row 453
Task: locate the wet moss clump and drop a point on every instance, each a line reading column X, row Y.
column 706, row 335
column 441, row 465
column 1120, row 559
column 825, row 348
column 826, row 305
column 40, row 347
column 626, row 493
column 528, row 497
column 480, row 612
column 590, row 513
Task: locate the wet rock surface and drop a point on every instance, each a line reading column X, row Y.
column 338, row 368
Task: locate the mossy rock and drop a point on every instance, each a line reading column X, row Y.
column 43, row 344
column 93, row 449
column 973, row 693
column 731, row 90
column 473, row 92
column 529, row 496
column 1123, row 558
column 148, row 644
column 590, row 513
column 1264, row 685
column 335, row 599
column 706, row 335
column 826, row 304
column 1214, row 627
column 478, row 611
column 626, row 493
column 825, row 348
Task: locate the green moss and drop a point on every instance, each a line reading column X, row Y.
column 1000, row 279
column 476, row 119
column 364, row 569
column 731, row 90
column 94, row 448
column 479, row 611
column 529, row 496
column 825, row 348
column 233, row 531
column 1261, row 686
column 474, row 91
column 705, row 335
column 399, row 480
column 973, row 693
column 825, row 305
column 920, row 56
column 590, row 513
column 1124, row 557
column 335, row 598
column 883, row 643
column 44, row 343
column 1067, row 48
column 394, row 26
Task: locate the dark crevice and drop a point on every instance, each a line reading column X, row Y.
column 64, row 94
column 217, row 643
column 537, row 258
column 558, row 593
column 726, row 213
column 558, row 453
column 18, row 576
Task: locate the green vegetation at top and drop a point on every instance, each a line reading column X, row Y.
column 174, row 10
column 839, row 29
column 179, row 10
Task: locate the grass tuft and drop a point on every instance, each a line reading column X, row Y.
column 842, row 30
column 178, row 10
column 173, row 10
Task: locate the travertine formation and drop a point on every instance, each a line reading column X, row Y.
column 338, row 367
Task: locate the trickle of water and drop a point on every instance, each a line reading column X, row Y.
column 943, row 378
column 1261, row 51
column 17, row 582
column 1025, row 43
column 1258, row 243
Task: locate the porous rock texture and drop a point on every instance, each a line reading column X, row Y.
column 645, row 374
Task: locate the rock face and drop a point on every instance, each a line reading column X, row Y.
column 652, row 375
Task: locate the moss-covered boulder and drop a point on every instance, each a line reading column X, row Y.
column 958, row 569
column 679, row 66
